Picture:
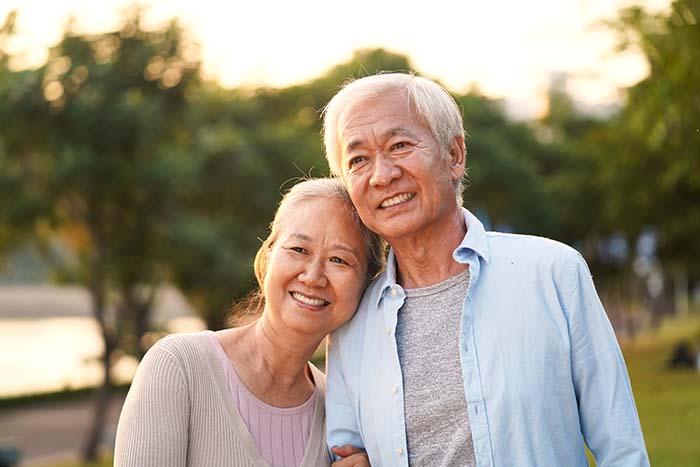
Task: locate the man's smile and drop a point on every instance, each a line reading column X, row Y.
column 397, row 199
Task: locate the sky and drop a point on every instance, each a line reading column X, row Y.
column 508, row 49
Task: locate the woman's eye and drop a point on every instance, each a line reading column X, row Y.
column 335, row 259
column 399, row 145
column 298, row 249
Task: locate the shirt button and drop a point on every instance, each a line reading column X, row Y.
column 394, row 292
column 394, row 389
column 399, row 451
column 388, row 330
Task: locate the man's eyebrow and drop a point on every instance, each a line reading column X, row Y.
column 398, row 131
column 390, row 133
column 353, row 144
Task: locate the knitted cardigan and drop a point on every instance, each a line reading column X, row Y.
column 179, row 413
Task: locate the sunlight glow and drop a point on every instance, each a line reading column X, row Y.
column 506, row 49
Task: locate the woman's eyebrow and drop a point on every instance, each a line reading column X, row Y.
column 346, row 249
column 300, row 236
column 335, row 246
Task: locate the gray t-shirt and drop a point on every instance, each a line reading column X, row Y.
column 435, row 407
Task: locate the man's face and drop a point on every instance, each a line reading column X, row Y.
column 397, row 174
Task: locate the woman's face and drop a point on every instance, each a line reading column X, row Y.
column 316, row 269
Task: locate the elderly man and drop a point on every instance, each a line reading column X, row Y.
column 473, row 348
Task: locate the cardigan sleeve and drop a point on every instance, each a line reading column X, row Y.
column 153, row 425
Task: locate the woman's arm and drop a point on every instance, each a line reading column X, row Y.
column 153, row 426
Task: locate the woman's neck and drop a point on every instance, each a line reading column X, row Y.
column 274, row 367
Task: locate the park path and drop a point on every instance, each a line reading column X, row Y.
column 53, row 432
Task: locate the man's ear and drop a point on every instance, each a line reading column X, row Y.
column 458, row 157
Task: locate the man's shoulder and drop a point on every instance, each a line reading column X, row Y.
column 532, row 255
column 509, row 247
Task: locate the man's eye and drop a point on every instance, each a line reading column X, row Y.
column 356, row 160
column 399, row 145
column 338, row 260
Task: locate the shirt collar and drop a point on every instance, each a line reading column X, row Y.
column 474, row 242
column 388, row 279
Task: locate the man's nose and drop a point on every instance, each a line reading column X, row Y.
column 314, row 274
column 385, row 171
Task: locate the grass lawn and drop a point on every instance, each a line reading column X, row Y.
column 668, row 401
column 108, row 462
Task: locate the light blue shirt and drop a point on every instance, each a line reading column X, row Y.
column 542, row 369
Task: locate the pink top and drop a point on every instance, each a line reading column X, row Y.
column 281, row 435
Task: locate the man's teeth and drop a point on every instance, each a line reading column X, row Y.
column 309, row 300
column 396, row 200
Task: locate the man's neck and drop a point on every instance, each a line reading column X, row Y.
column 426, row 259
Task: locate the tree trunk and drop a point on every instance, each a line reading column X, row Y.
column 102, row 398
column 98, row 294
column 138, row 304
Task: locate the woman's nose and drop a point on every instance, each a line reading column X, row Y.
column 314, row 275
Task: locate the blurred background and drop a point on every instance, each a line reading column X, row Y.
column 143, row 149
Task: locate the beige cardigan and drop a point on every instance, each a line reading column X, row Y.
column 179, row 412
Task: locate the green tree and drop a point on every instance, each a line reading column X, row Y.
column 99, row 126
column 19, row 205
column 656, row 137
column 504, row 180
column 570, row 161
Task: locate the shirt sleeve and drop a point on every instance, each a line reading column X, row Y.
column 341, row 423
column 607, row 411
column 153, row 424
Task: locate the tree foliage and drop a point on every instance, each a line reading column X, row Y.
column 95, row 135
column 655, row 168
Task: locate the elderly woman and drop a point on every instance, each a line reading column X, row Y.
column 248, row 396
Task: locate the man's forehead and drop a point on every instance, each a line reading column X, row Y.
column 387, row 116
column 393, row 101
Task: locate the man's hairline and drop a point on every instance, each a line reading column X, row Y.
column 341, row 148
